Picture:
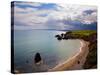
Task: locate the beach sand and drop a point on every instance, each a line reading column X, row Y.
column 75, row 62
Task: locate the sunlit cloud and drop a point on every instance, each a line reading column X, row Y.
column 31, row 15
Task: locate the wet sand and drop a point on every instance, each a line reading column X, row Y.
column 75, row 62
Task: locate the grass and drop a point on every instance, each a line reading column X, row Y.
column 90, row 36
column 83, row 32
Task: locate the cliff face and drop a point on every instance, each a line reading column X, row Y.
column 91, row 61
column 87, row 35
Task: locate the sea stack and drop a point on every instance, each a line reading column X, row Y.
column 37, row 58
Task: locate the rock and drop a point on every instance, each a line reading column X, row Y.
column 59, row 37
column 37, row 58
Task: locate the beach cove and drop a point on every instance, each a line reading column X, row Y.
column 75, row 62
column 86, row 58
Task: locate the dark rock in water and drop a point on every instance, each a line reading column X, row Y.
column 62, row 35
column 37, row 58
column 39, row 65
column 59, row 37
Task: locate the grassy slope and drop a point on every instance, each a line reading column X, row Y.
column 87, row 35
column 83, row 32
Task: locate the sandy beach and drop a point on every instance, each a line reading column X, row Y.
column 75, row 62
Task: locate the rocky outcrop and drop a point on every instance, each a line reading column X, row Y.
column 37, row 58
column 91, row 59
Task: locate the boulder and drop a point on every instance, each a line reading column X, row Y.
column 37, row 58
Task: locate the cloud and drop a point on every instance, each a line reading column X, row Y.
column 28, row 16
column 27, row 4
column 52, row 16
column 77, row 12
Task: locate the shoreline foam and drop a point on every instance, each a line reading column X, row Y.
column 76, row 62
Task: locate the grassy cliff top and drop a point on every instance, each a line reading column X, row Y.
column 83, row 32
column 87, row 35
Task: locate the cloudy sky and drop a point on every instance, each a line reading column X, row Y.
column 30, row 15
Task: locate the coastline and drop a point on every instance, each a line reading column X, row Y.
column 75, row 62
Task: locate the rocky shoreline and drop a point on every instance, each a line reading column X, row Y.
column 88, row 36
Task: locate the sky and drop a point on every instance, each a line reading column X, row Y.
column 35, row 15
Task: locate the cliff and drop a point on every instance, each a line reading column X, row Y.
column 89, row 36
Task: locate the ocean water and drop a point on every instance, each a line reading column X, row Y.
column 28, row 42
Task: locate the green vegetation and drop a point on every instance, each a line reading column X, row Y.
column 91, row 36
column 91, row 61
column 87, row 35
column 83, row 32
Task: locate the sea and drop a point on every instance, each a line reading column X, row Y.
column 52, row 51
